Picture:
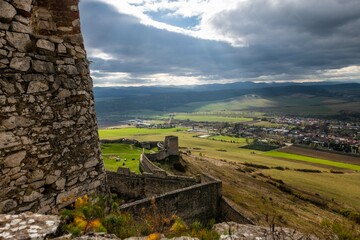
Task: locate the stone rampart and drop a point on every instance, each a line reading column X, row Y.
column 146, row 185
column 199, row 202
column 170, row 147
column 49, row 148
column 229, row 213
column 148, row 166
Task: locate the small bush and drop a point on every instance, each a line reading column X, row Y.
column 285, row 189
column 308, row 170
column 256, row 165
column 178, row 227
column 279, row 168
column 352, row 215
column 204, row 233
column 342, row 230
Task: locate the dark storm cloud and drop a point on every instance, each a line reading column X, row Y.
column 295, row 38
column 323, row 33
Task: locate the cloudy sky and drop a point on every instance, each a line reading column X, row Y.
column 185, row 42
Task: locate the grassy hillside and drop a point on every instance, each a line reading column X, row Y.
column 231, row 152
column 119, row 104
column 129, row 156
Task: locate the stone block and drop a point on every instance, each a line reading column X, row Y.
column 60, row 184
column 42, row 66
column 7, row 12
column 32, row 196
column 91, row 163
column 37, row 86
column 21, row 64
column 7, row 205
column 50, row 179
column 45, row 44
column 61, row 48
column 23, row 4
column 19, row 27
column 37, row 175
column 20, row 41
column 68, row 69
column 21, row 180
column 14, row 160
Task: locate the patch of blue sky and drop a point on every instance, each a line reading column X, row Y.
column 174, row 20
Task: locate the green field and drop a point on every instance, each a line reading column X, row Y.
column 233, row 104
column 203, row 117
column 229, row 139
column 312, row 160
column 129, row 156
column 134, row 133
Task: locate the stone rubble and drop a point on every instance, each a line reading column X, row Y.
column 36, row 226
column 47, row 117
column 235, row 231
column 28, row 226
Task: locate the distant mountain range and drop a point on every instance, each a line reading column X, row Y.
column 128, row 99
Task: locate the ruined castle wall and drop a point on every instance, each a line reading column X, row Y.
column 199, row 202
column 49, row 151
column 229, row 212
column 170, row 147
column 149, row 167
column 146, row 185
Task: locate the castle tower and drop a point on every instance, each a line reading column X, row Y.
column 171, row 145
column 49, row 148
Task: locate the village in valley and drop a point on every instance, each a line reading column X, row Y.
column 332, row 135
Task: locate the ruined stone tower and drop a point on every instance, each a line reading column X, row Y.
column 49, row 148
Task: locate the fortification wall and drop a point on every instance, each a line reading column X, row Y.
column 199, row 202
column 146, row 185
column 49, row 149
column 148, row 166
column 229, row 212
column 170, row 147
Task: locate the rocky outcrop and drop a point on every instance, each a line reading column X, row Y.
column 36, row 226
column 235, row 231
column 28, row 226
column 49, row 148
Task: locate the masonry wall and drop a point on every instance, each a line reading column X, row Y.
column 170, row 147
column 229, row 212
column 199, row 202
column 147, row 166
column 49, row 150
column 146, row 185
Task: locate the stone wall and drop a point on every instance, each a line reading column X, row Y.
column 49, row 149
column 229, row 213
column 199, row 202
column 147, row 166
column 170, row 147
column 130, row 185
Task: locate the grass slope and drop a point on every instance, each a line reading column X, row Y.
column 246, row 196
column 129, row 156
column 134, row 132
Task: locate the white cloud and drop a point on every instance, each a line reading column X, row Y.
column 205, row 9
column 98, row 53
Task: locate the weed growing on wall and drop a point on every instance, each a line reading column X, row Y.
column 100, row 214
